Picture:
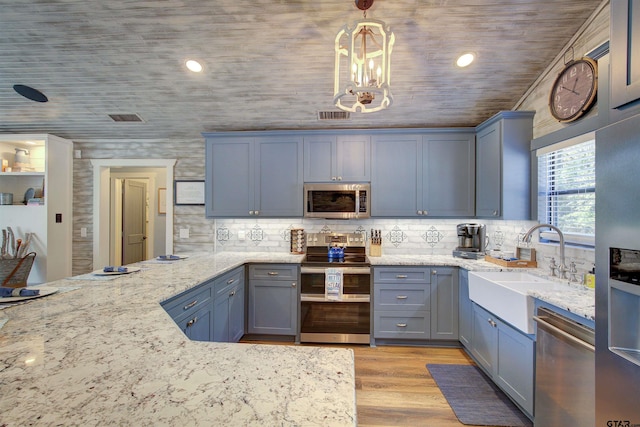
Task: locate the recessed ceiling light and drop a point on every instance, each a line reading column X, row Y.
column 465, row 59
column 194, row 66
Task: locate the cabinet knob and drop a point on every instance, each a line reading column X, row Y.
column 434, row 271
column 232, row 293
column 419, row 212
column 495, row 213
column 250, row 212
column 192, row 322
column 425, row 212
column 256, row 212
column 333, row 178
column 293, row 285
column 492, row 323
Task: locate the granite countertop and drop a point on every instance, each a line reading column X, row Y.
column 107, row 353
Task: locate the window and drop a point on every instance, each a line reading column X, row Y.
column 567, row 189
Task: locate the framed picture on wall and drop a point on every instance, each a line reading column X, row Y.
column 162, row 200
column 188, row 193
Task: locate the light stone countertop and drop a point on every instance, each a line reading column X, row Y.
column 108, row 354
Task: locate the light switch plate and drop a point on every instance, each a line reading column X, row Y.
column 184, row 233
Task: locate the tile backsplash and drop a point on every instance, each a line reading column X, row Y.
column 399, row 236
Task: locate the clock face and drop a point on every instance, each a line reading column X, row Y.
column 574, row 90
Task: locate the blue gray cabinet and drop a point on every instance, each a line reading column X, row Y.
column 229, row 303
column 273, row 299
column 430, row 174
column 465, row 310
column 193, row 312
column 330, row 158
column 503, row 163
column 444, row 303
column 625, row 53
column 250, row 176
column 506, row 355
column 402, row 303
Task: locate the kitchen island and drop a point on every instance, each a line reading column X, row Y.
column 108, row 353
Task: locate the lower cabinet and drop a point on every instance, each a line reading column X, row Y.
column 273, row 299
column 415, row 303
column 506, row 355
column 213, row 310
column 228, row 309
column 465, row 308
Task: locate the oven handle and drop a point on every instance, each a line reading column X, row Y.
column 345, row 270
column 345, row 298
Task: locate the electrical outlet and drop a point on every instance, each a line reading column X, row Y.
column 83, row 232
column 184, row 233
column 241, row 235
column 77, row 154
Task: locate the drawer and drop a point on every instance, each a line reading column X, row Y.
column 402, row 275
column 222, row 284
column 402, row 297
column 399, row 324
column 274, row 271
column 188, row 302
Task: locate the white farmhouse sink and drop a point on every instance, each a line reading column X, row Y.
column 505, row 294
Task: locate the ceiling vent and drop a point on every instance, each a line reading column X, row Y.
column 131, row 118
column 334, row 115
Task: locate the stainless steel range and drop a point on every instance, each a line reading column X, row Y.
column 346, row 319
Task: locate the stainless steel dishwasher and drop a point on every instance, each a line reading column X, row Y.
column 565, row 372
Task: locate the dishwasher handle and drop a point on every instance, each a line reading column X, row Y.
column 554, row 330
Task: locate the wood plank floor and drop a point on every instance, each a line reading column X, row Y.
column 394, row 387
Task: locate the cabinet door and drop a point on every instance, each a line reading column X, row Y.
column 625, row 52
column 236, row 314
column 448, row 176
column 465, row 310
column 489, row 172
column 353, row 158
column 272, row 307
column 229, row 183
column 394, row 179
column 199, row 325
column 514, row 368
column 485, row 339
column 319, row 154
column 278, row 177
column 444, row 303
column 221, row 313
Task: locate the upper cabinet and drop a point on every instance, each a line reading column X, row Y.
column 249, row 176
column 420, row 175
column 329, row 158
column 42, row 171
column 503, row 166
column 625, row 52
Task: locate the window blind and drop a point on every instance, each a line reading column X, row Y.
column 566, row 191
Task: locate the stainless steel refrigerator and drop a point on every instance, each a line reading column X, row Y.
column 618, row 274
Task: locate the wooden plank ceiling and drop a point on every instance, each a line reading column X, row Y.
column 268, row 63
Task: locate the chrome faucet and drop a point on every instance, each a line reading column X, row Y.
column 562, row 268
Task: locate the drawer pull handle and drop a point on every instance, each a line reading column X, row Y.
column 191, row 322
column 401, row 325
column 273, row 273
column 401, row 297
column 230, row 281
column 191, row 304
column 401, row 276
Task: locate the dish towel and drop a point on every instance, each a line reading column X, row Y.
column 333, row 284
column 18, row 292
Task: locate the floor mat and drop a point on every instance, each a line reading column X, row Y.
column 474, row 398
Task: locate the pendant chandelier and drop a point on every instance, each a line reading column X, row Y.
column 363, row 65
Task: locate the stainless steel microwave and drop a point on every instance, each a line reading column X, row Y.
column 337, row 200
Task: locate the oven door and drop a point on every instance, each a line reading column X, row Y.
column 328, row 321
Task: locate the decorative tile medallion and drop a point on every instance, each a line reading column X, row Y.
column 432, row 236
column 396, row 236
column 223, row 235
column 498, row 238
column 256, row 234
column 326, row 229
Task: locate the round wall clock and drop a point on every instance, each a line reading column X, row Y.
column 574, row 90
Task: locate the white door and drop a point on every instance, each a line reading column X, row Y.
column 134, row 221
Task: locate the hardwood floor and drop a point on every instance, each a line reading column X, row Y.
column 394, row 388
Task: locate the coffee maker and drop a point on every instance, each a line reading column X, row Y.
column 471, row 241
